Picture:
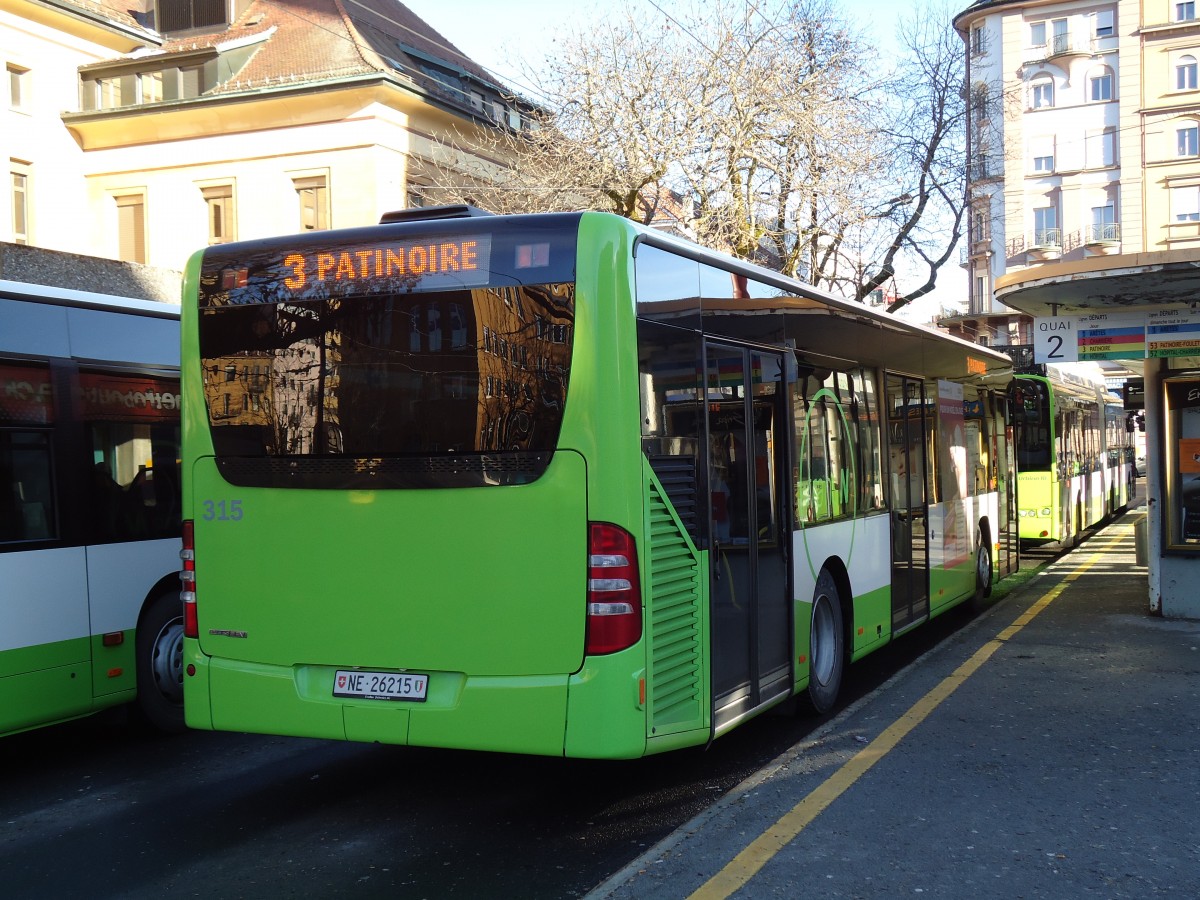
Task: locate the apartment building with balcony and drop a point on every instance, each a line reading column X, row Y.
column 1084, row 200
column 143, row 130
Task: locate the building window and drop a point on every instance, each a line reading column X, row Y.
column 150, row 87
column 110, row 92
column 1045, row 227
column 1104, row 223
column 181, row 15
column 20, row 202
column 1187, row 140
column 313, row 193
column 1037, row 34
column 1185, row 204
column 1185, row 74
column 1060, row 40
column 1041, row 152
column 1104, row 23
column 18, row 86
column 417, row 195
column 1185, row 12
column 1100, row 87
column 978, row 47
column 979, row 230
column 1043, row 94
column 131, row 227
column 1101, row 148
column 222, row 223
column 979, row 104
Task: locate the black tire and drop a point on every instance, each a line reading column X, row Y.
column 984, row 576
column 826, row 646
column 160, row 663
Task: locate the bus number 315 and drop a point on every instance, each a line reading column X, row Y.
column 223, row 510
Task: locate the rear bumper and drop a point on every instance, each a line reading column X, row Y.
column 519, row 714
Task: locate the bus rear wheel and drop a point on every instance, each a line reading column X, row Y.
column 160, row 663
column 826, row 646
column 983, row 568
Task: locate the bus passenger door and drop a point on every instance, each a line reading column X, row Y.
column 750, row 612
column 908, row 502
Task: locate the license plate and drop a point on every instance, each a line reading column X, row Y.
column 380, row 685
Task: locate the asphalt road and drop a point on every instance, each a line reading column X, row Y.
column 97, row 808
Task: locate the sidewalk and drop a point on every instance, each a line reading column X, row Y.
column 1049, row 749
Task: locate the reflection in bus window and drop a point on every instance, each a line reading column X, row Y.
column 838, row 458
column 27, row 502
column 132, row 425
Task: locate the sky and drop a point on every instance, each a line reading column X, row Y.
column 507, row 36
column 501, row 35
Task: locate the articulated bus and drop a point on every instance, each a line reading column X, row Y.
column 89, row 507
column 1075, row 456
column 558, row 484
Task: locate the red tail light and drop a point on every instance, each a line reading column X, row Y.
column 187, row 578
column 614, row 596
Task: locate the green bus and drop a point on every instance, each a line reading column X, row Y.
column 559, row 484
column 1075, row 455
column 89, row 507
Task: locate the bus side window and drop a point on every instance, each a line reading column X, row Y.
column 672, row 417
column 26, row 492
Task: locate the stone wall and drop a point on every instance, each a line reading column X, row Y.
column 51, row 268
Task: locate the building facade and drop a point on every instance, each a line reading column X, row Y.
column 144, row 130
column 1084, row 198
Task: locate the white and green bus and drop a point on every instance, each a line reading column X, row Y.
column 89, row 507
column 559, row 484
column 1075, row 456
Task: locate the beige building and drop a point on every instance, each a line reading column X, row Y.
column 1084, row 195
column 145, row 130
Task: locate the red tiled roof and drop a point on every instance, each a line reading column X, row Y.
column 116, row 11
column 308, row 41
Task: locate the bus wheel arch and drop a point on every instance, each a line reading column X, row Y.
column 827, row 640
column 160, row 658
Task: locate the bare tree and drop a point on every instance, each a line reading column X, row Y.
column 774, row 125
column 619, row 101
column 929, row 136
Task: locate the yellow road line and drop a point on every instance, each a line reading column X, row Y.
column 762, row 849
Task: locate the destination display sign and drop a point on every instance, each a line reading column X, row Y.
column 314, row 271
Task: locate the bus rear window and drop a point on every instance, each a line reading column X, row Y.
column 453, row 388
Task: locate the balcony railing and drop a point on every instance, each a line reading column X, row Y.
column 1104, row 233
column 1047, row 237
column 1067, row 44
column 980, row 170
column 1022, row 356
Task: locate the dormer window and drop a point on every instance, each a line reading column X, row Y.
column 106, row 88
column 187, row 15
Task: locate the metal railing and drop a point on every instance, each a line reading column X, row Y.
column 1047, row 237
column 1104, row 232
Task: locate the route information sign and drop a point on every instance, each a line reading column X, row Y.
column 1063, row 339
column 1173, row 333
